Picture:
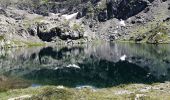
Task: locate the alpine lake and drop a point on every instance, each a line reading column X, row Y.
column 88, row 71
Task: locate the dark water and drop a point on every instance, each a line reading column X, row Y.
column 94, row 65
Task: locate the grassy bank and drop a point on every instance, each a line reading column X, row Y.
column 157, row 91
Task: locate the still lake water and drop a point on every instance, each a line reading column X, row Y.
column 95, row 65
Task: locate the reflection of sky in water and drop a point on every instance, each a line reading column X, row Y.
column 36, row 85
column 100, row 65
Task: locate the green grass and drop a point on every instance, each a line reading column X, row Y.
column 2, row 37
column 150, row 32
column 28, row 43
column 159, row 91
column 77, row 27
column 31, row 44
column 27, row 22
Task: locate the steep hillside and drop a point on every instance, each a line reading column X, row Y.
column 78, row 21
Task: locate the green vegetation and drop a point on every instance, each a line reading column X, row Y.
column 158, row 91
column 12, row 83
column 77, row 27
column 29, row 44
column 158, row 35
column 27, row 22
column 45, row 1
column 16, row 43
column 2, row 37
column 152, row 32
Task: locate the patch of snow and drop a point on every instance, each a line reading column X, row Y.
column 68, row 17
column 122, row 23
column 123, row 58
column 53, row 14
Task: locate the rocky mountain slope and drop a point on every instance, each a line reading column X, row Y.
column 35, row 22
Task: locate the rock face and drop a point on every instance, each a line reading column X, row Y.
column 13, row 29
column 140, row 18
column 121, row 9
column 48, row 29
column 19, row 26
column 62, row 33
column 127, row 8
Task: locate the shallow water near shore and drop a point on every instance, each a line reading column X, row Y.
column 98, row 66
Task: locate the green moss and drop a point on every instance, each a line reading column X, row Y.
column 30, row 44
column 45, row 1
column 27, row 22
column 2, row 37
column 77, row 27
column 158, row 35
column 53, row 94
column 152, row 33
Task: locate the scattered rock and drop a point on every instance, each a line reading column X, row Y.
column 139, row 96
column 21, row 97
column 123, row 92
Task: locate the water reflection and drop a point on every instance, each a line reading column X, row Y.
column 105, row 74
column 98, row 65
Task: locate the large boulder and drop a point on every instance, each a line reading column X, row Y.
column 47, row 32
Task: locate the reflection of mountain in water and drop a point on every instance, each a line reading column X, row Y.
column 99, row 65
column 59, row 54
column 99, row 73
